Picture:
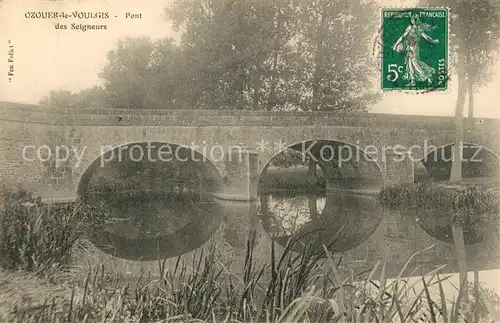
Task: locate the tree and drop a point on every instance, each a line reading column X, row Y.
column 224, row 46
column 336, row 36
column 280, row 81
column 95, row 97
column 475, row 42
column 481, row 46
column 141, row 73
column 61, row 99
column 275, row 54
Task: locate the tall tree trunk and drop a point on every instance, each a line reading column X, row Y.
column 456, row 175
column 456, row 164
column 470, row 119
column 256, row 88
column 470, row 91
column 240, row 102
column 476, row 296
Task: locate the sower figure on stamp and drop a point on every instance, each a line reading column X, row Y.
column 415, row 69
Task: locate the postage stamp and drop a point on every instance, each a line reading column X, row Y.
column 417, row 40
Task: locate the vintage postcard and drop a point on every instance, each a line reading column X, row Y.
column 249, row 161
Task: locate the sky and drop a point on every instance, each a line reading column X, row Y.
column 47, row 59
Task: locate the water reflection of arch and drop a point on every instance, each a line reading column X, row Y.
column 347, row 170
column 478, row 161
column 478, row 231
column 188, row 237
column 352, row 218
column 160, row 223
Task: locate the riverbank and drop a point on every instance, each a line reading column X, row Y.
column 467, row 195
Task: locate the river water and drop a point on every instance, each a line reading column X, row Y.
column 353, row 226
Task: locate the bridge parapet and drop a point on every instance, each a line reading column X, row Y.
column 151, row 117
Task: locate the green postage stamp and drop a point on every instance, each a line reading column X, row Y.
column 415, row 49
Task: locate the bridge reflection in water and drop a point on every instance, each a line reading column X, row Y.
column 156, row 226
column 339, row 220
column 174, row 224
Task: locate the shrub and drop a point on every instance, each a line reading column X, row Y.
column 452, row 202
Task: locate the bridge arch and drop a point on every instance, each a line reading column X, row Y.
column 478, row 161
column 149, row 227
column 210, row 174
column 326, row 152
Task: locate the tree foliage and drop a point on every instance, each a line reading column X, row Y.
column 334, row 38
column 95, row 97
column 140, row 73
column 299, row 54
column 309, row 55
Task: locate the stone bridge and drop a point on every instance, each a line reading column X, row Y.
column 57, row 152
column 385, row 147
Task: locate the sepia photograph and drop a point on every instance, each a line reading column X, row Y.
column 241, row 161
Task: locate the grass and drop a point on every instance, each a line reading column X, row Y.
column 290, row 287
